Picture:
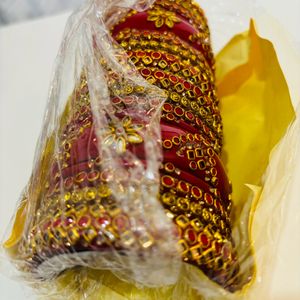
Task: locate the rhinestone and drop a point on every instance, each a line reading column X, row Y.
column 183, row 139
column 168, row 181
column 77, row 196
column 182, row 221
column 128, row 100
column 162, row 64
column 67, row 196
column 127, row 238
column 80, row 177
column 176, row 140
column 191, row 94
column 196, row 252
column 165, row 82
column 169, row 199
column 190, row 116
column 184, row 101
column 190, row 154
column 175, row 67
column 170, row 57
column 212, row 161
column 169, row 167
column 84, row 221
column 140, row 54
column 167, row 107
column 113, row 210
column 57, row 222
column 106, row 175
column 205, row 214
column 183, row 186
column 183, row 203
column 69, row 221
column 156, row 55
column 210, row 152
column 179, row 87
column 186, row 72
column 173, row 78
column 187, row 85
column 68, row 183
column 146, row 240
column 170, row 117
column 175, row 97
column 90, row 194
column 208, row 199
column 197, row 225
column 196, row 192
column 147, row 60
column 203, row 239
column 197, row 90
column 199, row 122
column 93, row 176
column 201, row 164
column 89, row 234
column 145, row 72
column 104, row 191
column 179, row 111
column 103, row 221
column 116, row 100
column 159, row 74
column 167, row 144
column 190, row 235
column 193, row 165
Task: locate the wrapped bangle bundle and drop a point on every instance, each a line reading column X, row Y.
column 76, row 211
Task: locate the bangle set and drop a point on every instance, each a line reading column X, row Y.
column 169, row 45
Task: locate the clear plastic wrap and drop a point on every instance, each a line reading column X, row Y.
column 109, row 209
column 91, row 61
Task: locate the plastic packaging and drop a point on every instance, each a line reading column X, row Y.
column 128, row 194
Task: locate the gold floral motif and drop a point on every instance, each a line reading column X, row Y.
column 163, row 17
column 127, row 132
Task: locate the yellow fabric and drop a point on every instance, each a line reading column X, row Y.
column 86, row 281
column 18, row 226
column 256, row 111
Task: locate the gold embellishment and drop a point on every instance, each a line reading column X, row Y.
column 165, row 43
column 104, row 191
column 163, row 17
column 168, row 199
column 199, row 37
column 89, row 204
column 189, row 10
column 127, row 238
column 146, row 240
column 127, row 132
column 182, row 221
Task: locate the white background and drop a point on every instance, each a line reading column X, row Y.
column 27, row 52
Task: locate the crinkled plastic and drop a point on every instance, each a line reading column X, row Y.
column 132, row 250
column 90, row 60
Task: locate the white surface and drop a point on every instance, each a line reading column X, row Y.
column 27, row 52
column 19, row 10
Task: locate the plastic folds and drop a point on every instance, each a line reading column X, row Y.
column 129, row 196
